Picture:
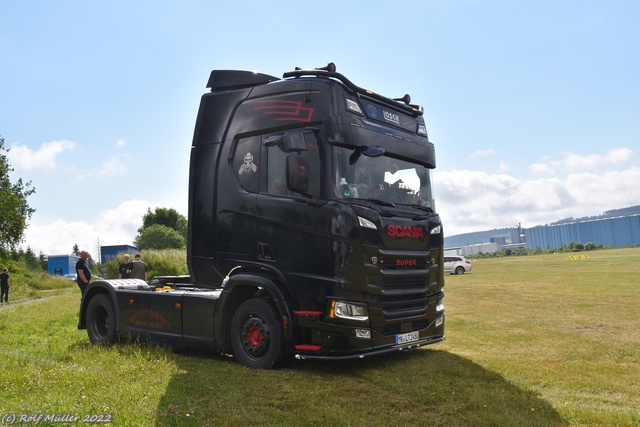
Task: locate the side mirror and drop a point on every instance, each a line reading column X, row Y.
column 294, row 142
column 374, row 151
column 288, row 142
column 298, row 174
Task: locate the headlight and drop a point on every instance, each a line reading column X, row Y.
column 366, row 223
column 436, row 230
column 345, row 310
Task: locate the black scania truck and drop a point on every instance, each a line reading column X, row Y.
column 312, row 229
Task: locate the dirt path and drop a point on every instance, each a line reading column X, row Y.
column 43, row 297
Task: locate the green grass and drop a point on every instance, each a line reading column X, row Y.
column 531, row 341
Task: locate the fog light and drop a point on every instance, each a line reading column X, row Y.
column 363, row 333
column 439, row 321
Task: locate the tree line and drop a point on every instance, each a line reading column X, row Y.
column 571, row 247
column 164, row 228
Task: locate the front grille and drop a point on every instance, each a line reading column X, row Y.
column 371, row 237
column 397, row 262
column 399, row 284
column 403, row 303
column 435, row 241
column 396, row 328
column 404, row 308
column 410, row 281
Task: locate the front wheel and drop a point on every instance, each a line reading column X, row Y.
column 256, row 335
column 101, row 320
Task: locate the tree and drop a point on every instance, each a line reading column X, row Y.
column 576, row 247
column 159, row 236
column 43, row 261
column 590, row 246
column 165, row 216
column 76, row 250
column 14, row 209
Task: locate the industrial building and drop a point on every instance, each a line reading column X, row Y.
column 487, row 242
column 619, row 231
column 59, row 265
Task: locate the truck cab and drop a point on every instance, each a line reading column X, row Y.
column 312, row 226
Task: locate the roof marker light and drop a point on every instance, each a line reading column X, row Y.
column 354, row 107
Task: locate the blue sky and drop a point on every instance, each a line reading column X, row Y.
column 534, row 107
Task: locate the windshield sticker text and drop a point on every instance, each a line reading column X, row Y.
column 391, row 117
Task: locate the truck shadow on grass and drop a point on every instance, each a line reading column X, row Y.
column 419, row 387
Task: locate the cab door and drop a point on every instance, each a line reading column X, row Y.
column 239, row 182
column 293, row 235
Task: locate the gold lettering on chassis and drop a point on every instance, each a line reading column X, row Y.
column 149, row 319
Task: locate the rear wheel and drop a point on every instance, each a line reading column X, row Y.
column 101, row 320
column 256, row 335
column 459, row 270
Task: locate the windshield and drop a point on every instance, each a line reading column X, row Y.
column 382, row 179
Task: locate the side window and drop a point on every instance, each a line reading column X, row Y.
column 246, row 161
column 277, row 168
column 276, row 172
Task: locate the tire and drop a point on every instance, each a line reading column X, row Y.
column 256, row 335
column 459, row 270
column 101, row 320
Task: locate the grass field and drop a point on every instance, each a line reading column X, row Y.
column 531, row 341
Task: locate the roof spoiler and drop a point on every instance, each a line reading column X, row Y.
column 232, row 79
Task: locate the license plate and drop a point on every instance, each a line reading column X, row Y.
column 407, row 338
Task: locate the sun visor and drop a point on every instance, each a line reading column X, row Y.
column 397, row 144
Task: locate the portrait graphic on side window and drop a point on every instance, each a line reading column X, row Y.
column 248, row 167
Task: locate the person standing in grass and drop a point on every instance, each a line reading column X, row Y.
column 5, row 282
column 84, row 275
column 139, row 269
column 124, row 270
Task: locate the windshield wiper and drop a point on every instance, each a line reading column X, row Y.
column 417, row 206
column 381, row 202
